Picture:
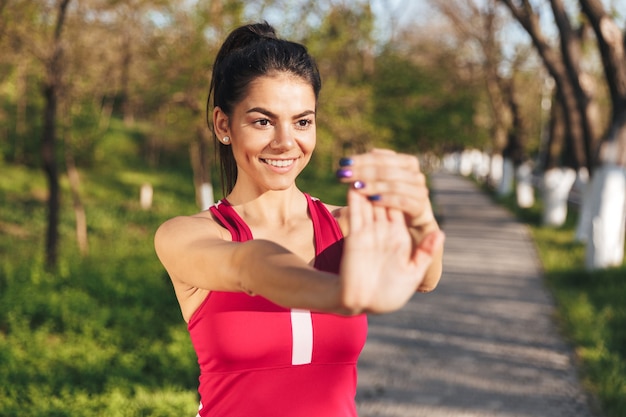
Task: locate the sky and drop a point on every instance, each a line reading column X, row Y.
column 417, row 13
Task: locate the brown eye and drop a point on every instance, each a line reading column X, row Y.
column 304, row 123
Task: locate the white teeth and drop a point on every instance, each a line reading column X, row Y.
column 279, row 163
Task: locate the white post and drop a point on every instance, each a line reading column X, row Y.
column 524, row 190
column 557, row 183
column 605, row 246
column 465, row 163
column 508, row 175
column 145, row 196
column 496, row 169
column 206, row 196
column 582, row 186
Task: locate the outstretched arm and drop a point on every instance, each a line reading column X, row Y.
column 379, row 272
column 199, row 259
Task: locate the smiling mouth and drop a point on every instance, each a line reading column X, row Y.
column 279, row 163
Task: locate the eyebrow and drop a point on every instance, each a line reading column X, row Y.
column 273, row 115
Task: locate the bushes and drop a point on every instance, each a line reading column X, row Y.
column 103, row 334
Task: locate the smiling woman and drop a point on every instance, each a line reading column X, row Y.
column 274, row 284
column 272, row 131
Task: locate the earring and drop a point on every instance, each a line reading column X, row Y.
column 225, row 139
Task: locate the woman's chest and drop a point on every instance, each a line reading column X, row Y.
column 244, row 333
column 297, row 238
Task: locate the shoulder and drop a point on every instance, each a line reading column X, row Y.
column 334, row 210
column 340, row 215
column 191, row 227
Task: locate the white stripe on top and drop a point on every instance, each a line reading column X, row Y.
column 302, row 334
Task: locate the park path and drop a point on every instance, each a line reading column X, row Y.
column 484, row 343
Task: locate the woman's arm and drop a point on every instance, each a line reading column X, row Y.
column 380, row 266
column 196, row 256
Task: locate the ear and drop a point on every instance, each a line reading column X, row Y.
column 220, row 123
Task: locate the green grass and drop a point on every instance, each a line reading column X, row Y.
column 591, row 307
column 101, row 334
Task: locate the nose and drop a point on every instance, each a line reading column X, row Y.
column 283, row 138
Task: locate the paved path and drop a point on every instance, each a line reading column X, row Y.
column 484, row 344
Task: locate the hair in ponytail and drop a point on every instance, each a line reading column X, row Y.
column 249, row 52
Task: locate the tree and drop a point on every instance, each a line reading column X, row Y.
column 343, row 47
column 573, row 104
column 478, row 27
column 21, row 59
column 423, row 98
column 186, row 45
column 52, row 87
column 607, row 214
column 564, row 67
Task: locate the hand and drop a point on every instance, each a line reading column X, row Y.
column 381, row 268
column 392, row 180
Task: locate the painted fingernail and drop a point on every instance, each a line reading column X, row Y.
column 374, row 197
column 358, row 185
column 345, row 162
column 344, row 173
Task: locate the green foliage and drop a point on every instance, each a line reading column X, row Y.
column 343, row 47
column 425, row 106
column 102, row 334
column 20, row 116
column 323, row 184
column 591, row 307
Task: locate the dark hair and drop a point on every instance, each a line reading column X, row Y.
column 249, row 52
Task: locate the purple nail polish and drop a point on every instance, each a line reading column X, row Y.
column 374, row 197
column 345, row 162
column 344, row 173
column 358, row 185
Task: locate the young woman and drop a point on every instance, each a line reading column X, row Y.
column 273, row 284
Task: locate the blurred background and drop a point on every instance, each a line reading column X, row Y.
column 103, row 136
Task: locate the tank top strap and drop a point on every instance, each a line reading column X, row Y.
column 325, row 226
column 326, row 229
column 230, row 219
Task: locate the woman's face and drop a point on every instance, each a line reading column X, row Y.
column 272, row 131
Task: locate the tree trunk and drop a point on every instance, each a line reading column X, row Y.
column 79, row 208
column 48, row 155
column 566, row 93
column 524, row 190
column 582, row 186
column 571, row 51
column 556, row 137
column 21, row 110
column 513, row 153
column 48, row 143
column 127, row 110
column 557, row 183
column 508, row 177
column 202, row 170
column 608, row 196
column 605, row 244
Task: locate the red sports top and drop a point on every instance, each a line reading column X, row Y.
column 258, row 359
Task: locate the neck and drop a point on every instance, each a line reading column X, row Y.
column 269, row 207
